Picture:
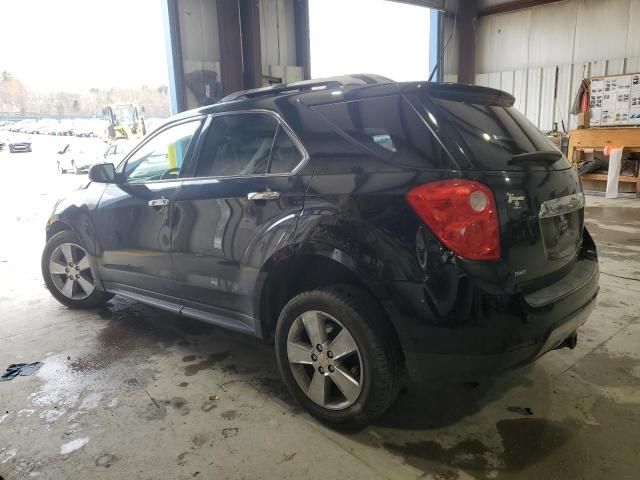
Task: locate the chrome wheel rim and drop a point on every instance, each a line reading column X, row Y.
column 325, row 360
column 71, row 271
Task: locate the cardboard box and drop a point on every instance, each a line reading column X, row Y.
column 582, row 120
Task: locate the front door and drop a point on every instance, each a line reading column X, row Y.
column 133, row 219
column 235, row 212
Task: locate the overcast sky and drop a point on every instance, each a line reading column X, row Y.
column 369, row 36
column 69, row 44
column 80, row 44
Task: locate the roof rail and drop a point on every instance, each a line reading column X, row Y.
column 308, row 85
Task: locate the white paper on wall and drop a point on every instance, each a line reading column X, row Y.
column 635, row 85
column 608, row 117
column 597, row 86
column 610, row 84
column 624, row 83
column 609, row 100
column 622, row 100
column 615, row 100
column 622, row 116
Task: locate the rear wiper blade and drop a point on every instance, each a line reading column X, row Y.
column 544, row 156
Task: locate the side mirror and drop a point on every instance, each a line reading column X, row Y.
column 102, row 173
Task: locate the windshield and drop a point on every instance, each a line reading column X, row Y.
column 124, row 114
column 488, row 134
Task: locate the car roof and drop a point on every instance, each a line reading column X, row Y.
column 348, row 87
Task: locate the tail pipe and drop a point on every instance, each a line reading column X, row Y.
column 569, row 342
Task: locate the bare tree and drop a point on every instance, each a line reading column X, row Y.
column 16, row 97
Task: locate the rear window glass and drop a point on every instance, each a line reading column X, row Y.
column 285, row 156
column 490, row 135
column 389, row 128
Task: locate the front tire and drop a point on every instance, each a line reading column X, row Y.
column 67, row 272
column 338, row 356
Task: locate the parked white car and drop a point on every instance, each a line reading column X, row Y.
column 78, row 157
column 118, row 150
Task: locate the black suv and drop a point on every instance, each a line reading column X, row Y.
column 371, row 228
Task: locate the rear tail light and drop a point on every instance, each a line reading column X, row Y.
column 462, row 214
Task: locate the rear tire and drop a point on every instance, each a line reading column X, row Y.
column 346, row 391
column 68, row 274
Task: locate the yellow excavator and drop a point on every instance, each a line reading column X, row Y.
column 125, row 122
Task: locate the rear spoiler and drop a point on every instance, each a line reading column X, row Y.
column 459, row 92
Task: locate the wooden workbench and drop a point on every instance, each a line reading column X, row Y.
column 598, row 138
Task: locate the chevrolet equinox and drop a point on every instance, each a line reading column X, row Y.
column 373, row 230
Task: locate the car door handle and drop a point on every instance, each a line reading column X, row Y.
column 159, row 202
column 268, row 195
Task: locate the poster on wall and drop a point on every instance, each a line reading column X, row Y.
column 615, row 100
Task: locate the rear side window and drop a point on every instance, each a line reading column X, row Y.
column 238, row 144
column 389, row 128
column 285, row 156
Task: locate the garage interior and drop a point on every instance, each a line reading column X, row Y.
column 129, row 391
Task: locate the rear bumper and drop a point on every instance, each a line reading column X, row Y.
column 424, row 366
column 485, row 346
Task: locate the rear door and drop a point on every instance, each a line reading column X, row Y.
column 538, row 194
column 236, row 210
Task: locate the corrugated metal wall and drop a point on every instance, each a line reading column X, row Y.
column 520, row 52
column 534, row 88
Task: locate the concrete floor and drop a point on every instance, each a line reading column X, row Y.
column 132, row 392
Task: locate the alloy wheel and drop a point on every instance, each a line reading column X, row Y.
column 325, row 360
column 70, row 271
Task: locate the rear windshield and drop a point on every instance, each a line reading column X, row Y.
column 488, row 135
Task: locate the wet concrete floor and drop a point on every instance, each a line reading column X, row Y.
column 127, row 391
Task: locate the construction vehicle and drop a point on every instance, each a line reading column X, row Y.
column 125, row 122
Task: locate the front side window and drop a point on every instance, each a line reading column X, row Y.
column 162, row 157
column 238, row 145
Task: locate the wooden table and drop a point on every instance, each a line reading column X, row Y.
column 598, row 138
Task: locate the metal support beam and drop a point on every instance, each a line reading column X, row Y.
column 513, row 5
column 173, row 47
column 467, row 15
column 435, row 45
column 303, row 40
column 231, row 71
column 437, row 4
column 251, row 46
